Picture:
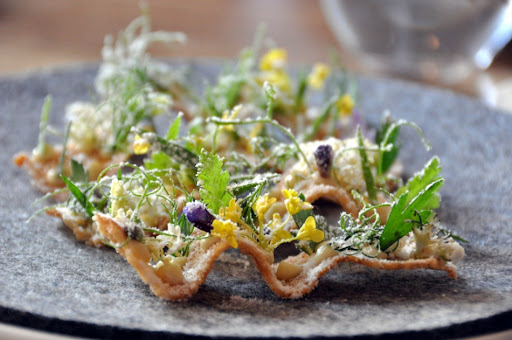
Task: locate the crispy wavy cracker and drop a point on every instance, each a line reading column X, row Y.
column 316, row 266
column 83, row 228
column 200, row 262
column 43, row 171
column 195, row 270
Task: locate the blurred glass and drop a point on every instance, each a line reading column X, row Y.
column 440, row 41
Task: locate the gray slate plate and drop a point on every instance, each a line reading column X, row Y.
column 50, row 281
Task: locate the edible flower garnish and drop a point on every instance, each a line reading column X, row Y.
column 225, row 229
column 345, row 105
column 274, row 59
column 308, row 231
column 230, row 116
column 293, row 203
column 117, row 194
column 262, row 205
column 278, row 78
column 200, row 217
column 232, row 212
column 279, row 235
column 140, row 145
column 316, row 78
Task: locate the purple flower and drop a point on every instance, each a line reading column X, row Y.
column 323, row 156
column 200, row 217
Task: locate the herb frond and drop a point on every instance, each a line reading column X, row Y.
column 213, row 181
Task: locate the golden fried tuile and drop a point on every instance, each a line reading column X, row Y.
column 195, row 270
column 83, row 228
column 200, row 261
column 43, row 170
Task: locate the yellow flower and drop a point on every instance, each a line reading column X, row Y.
column 309, row 232
column 232, row 212
column 293, row 203
column 226, row 115
column 118, row 197
column 140, row 145
column 274, row 59
column 225, row 229
column 318, row 75
column 278, row 233
column 345, row 105
column 256, row 130
column 278, row 78
column 281, row 235
column 262, row 204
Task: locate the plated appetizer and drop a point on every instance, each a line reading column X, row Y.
column 239, row 165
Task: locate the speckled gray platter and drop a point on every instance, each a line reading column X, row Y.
column 50, row 281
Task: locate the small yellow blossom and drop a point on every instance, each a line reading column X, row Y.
column 309, row 232
column 117, row 196
column 256, row 130
column 281, row 235
column 274, row 59
column 293, row 203
column 316, row 78
column 345, row 105
column 226, row 115
column 140, row 145
column 262, row 204
column 225, row 229
column 278, row 78
column 278, row 233
column 233, row 212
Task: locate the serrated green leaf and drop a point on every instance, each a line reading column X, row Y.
column 213, row 181
column 402, row 214
column 174, row 129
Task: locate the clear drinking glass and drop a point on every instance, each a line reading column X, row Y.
column 433, row 40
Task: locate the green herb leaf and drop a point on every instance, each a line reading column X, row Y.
column 78, row 173
column 421, row 180
column 388, row 157
column 213, row 181
column 367, row 172
column 174, row 129
column 301, row 91
column 79, row 195
column 301, row 217
column 159, row 161
column 402, row 215
column 178, row 153
column 250, row 183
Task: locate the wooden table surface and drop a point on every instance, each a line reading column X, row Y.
column 35, row 33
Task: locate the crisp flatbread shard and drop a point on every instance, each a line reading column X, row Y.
column 168, row 282
column 83, row 228
column 179, row 283
column 44, row 170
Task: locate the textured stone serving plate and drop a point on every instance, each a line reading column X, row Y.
column 50, row 281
